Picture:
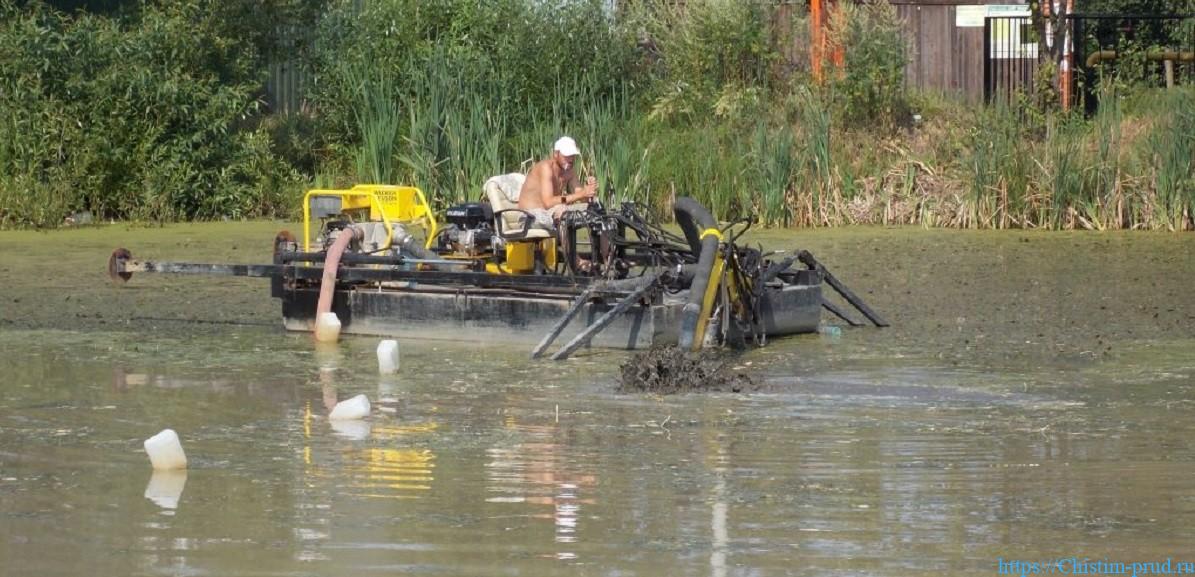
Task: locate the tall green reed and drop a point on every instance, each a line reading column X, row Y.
column 1107, row 209
column 616, row 137
column 773, row 156
column 1064, row 170
column 425, row 150
column 999, row 172
column 1172, row 148
column 474, row 131
column 816, row 174
column 378, row 119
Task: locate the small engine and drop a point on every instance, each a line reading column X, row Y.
column 470, row 229
column 470, row 215
column 332, row 229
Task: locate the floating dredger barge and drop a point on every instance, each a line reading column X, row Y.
column 603, row 278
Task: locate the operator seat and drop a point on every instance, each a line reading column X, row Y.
column 526, row 246
column 513, row 224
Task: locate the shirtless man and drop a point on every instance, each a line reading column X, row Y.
column 552, row 185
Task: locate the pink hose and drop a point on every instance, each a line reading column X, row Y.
column 327, row 285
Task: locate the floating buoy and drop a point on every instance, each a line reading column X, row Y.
column 354, row 408
column 327, row 328
column 388, row 357
column 165, row 451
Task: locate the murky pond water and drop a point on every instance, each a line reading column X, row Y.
column 1034, row 399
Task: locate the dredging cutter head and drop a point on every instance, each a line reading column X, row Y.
column 118, row 258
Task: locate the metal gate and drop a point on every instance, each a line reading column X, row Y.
column 1140, row 49
column 1010, row 57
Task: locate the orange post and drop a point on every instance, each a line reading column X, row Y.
column 817, row 38
column 819, row 20
column 1066, row 66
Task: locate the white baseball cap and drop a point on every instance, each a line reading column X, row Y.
column 566, row 146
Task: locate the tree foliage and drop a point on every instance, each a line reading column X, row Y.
column 145, row 117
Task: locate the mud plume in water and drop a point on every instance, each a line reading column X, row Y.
column 669, row 370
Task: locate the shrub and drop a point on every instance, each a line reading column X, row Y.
column 706, row 54
column 871, row 86
column 139, row 118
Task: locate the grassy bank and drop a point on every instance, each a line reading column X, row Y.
column 126, row 117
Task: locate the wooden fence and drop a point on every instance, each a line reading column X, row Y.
column 944, row 57
column 945, row 41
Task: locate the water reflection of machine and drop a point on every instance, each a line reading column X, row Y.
column 391, row 471
column 390, row 467
column 539, row 472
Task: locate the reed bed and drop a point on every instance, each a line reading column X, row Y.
column 1065, row 172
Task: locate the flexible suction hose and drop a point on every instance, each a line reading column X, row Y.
column 331, row 264
column 701, row 230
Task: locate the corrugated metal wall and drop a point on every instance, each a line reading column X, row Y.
column 285, row 87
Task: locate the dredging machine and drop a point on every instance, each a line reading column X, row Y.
column 375, row 260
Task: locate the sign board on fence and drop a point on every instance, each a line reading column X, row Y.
column 1008, row 10
column 1012, row 35
column 972, row 16
column 969, row 16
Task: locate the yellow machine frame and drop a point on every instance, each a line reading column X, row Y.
column 520, row 256
column 388, row 204
column 407, row 205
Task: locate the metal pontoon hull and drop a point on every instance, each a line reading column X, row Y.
column 470, row 315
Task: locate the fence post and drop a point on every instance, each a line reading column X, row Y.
column 817, row 39
column 987, row 59
column 1066, row 79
